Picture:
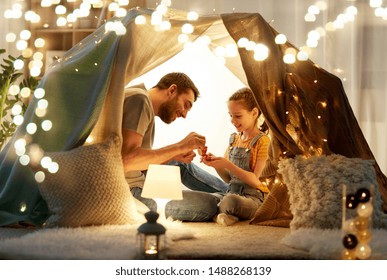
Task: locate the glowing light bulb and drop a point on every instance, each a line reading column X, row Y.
column 187, row 28
column 289, row 58
column 39, row 176
column 25, row 34
column 140, row 19
column 39, row 93
column 24, row 160
column 242, row 42
column 10, row 37
column 192, row 16
column 18, row 64
column 60, row 10
column 39, row 43
column 25, row 92
column 53, row 167
column 280, row 39
column 46, row 125
column 14, row 90
column 31, row 128
column 45, row 161
column 21, row 45
column 16, row 109
column 61, row 21
column 165, row 25
column 18, row 120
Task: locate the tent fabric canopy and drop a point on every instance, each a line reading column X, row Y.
column 85, row 94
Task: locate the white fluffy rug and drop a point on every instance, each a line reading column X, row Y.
column 326, row 244
column 185, row 241
column 101, row 242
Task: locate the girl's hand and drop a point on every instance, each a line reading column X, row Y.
column 214, row 161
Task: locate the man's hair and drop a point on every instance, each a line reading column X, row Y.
column 181, row 80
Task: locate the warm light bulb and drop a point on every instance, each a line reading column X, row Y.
column 39, row 176
column 31, row 128
column 140, row 19
column 242, row 42
column 24, row 160
column 10, row 37
column 187, row 28
column 25, row 34
column 310, row 17
column 16, row 109
column 39, row 93
column 289, row 58
column 25, row 92
column 280, row 39
column 46, row 125
column 261, row 52
column 60, row 10
column 192, row 16
column 21, row 45
column 18, row 64
column 39, row 43
column 165, row 25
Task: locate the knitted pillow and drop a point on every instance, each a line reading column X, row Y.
column 315, row 189
column 89, row 187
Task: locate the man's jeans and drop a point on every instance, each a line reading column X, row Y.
column 200, row 203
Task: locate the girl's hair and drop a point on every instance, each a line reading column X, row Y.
column 246, row 97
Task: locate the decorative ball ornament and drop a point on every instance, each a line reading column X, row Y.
column 356, row 230
column 363, row 195
column 350, row 241
column 364, row 236
column 363, row 251
column 347, row 254
column 364, row 210
column 352, row 202
column 361, row 223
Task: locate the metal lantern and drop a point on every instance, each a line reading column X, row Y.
column 151, row 238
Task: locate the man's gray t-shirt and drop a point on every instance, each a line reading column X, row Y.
column 138, row 116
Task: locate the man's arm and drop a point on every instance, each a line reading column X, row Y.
column 136, row 158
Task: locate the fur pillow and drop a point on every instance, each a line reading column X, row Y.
column 89, row 187
column 315, row 189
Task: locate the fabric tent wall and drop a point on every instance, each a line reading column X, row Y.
column 87, row 101
column 85, row 95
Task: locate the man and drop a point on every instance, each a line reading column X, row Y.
column 172, row 97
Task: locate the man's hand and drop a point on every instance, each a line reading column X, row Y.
column 192, row 141
column 186, row 158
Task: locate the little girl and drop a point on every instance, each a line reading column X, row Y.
column 243, row 161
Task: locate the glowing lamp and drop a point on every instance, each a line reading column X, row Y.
column 162, row 183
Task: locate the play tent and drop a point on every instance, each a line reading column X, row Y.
column 305, row 107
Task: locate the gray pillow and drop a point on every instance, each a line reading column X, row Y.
column 89, row 187
column 315, row 189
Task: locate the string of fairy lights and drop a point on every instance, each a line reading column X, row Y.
column 65, row 17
